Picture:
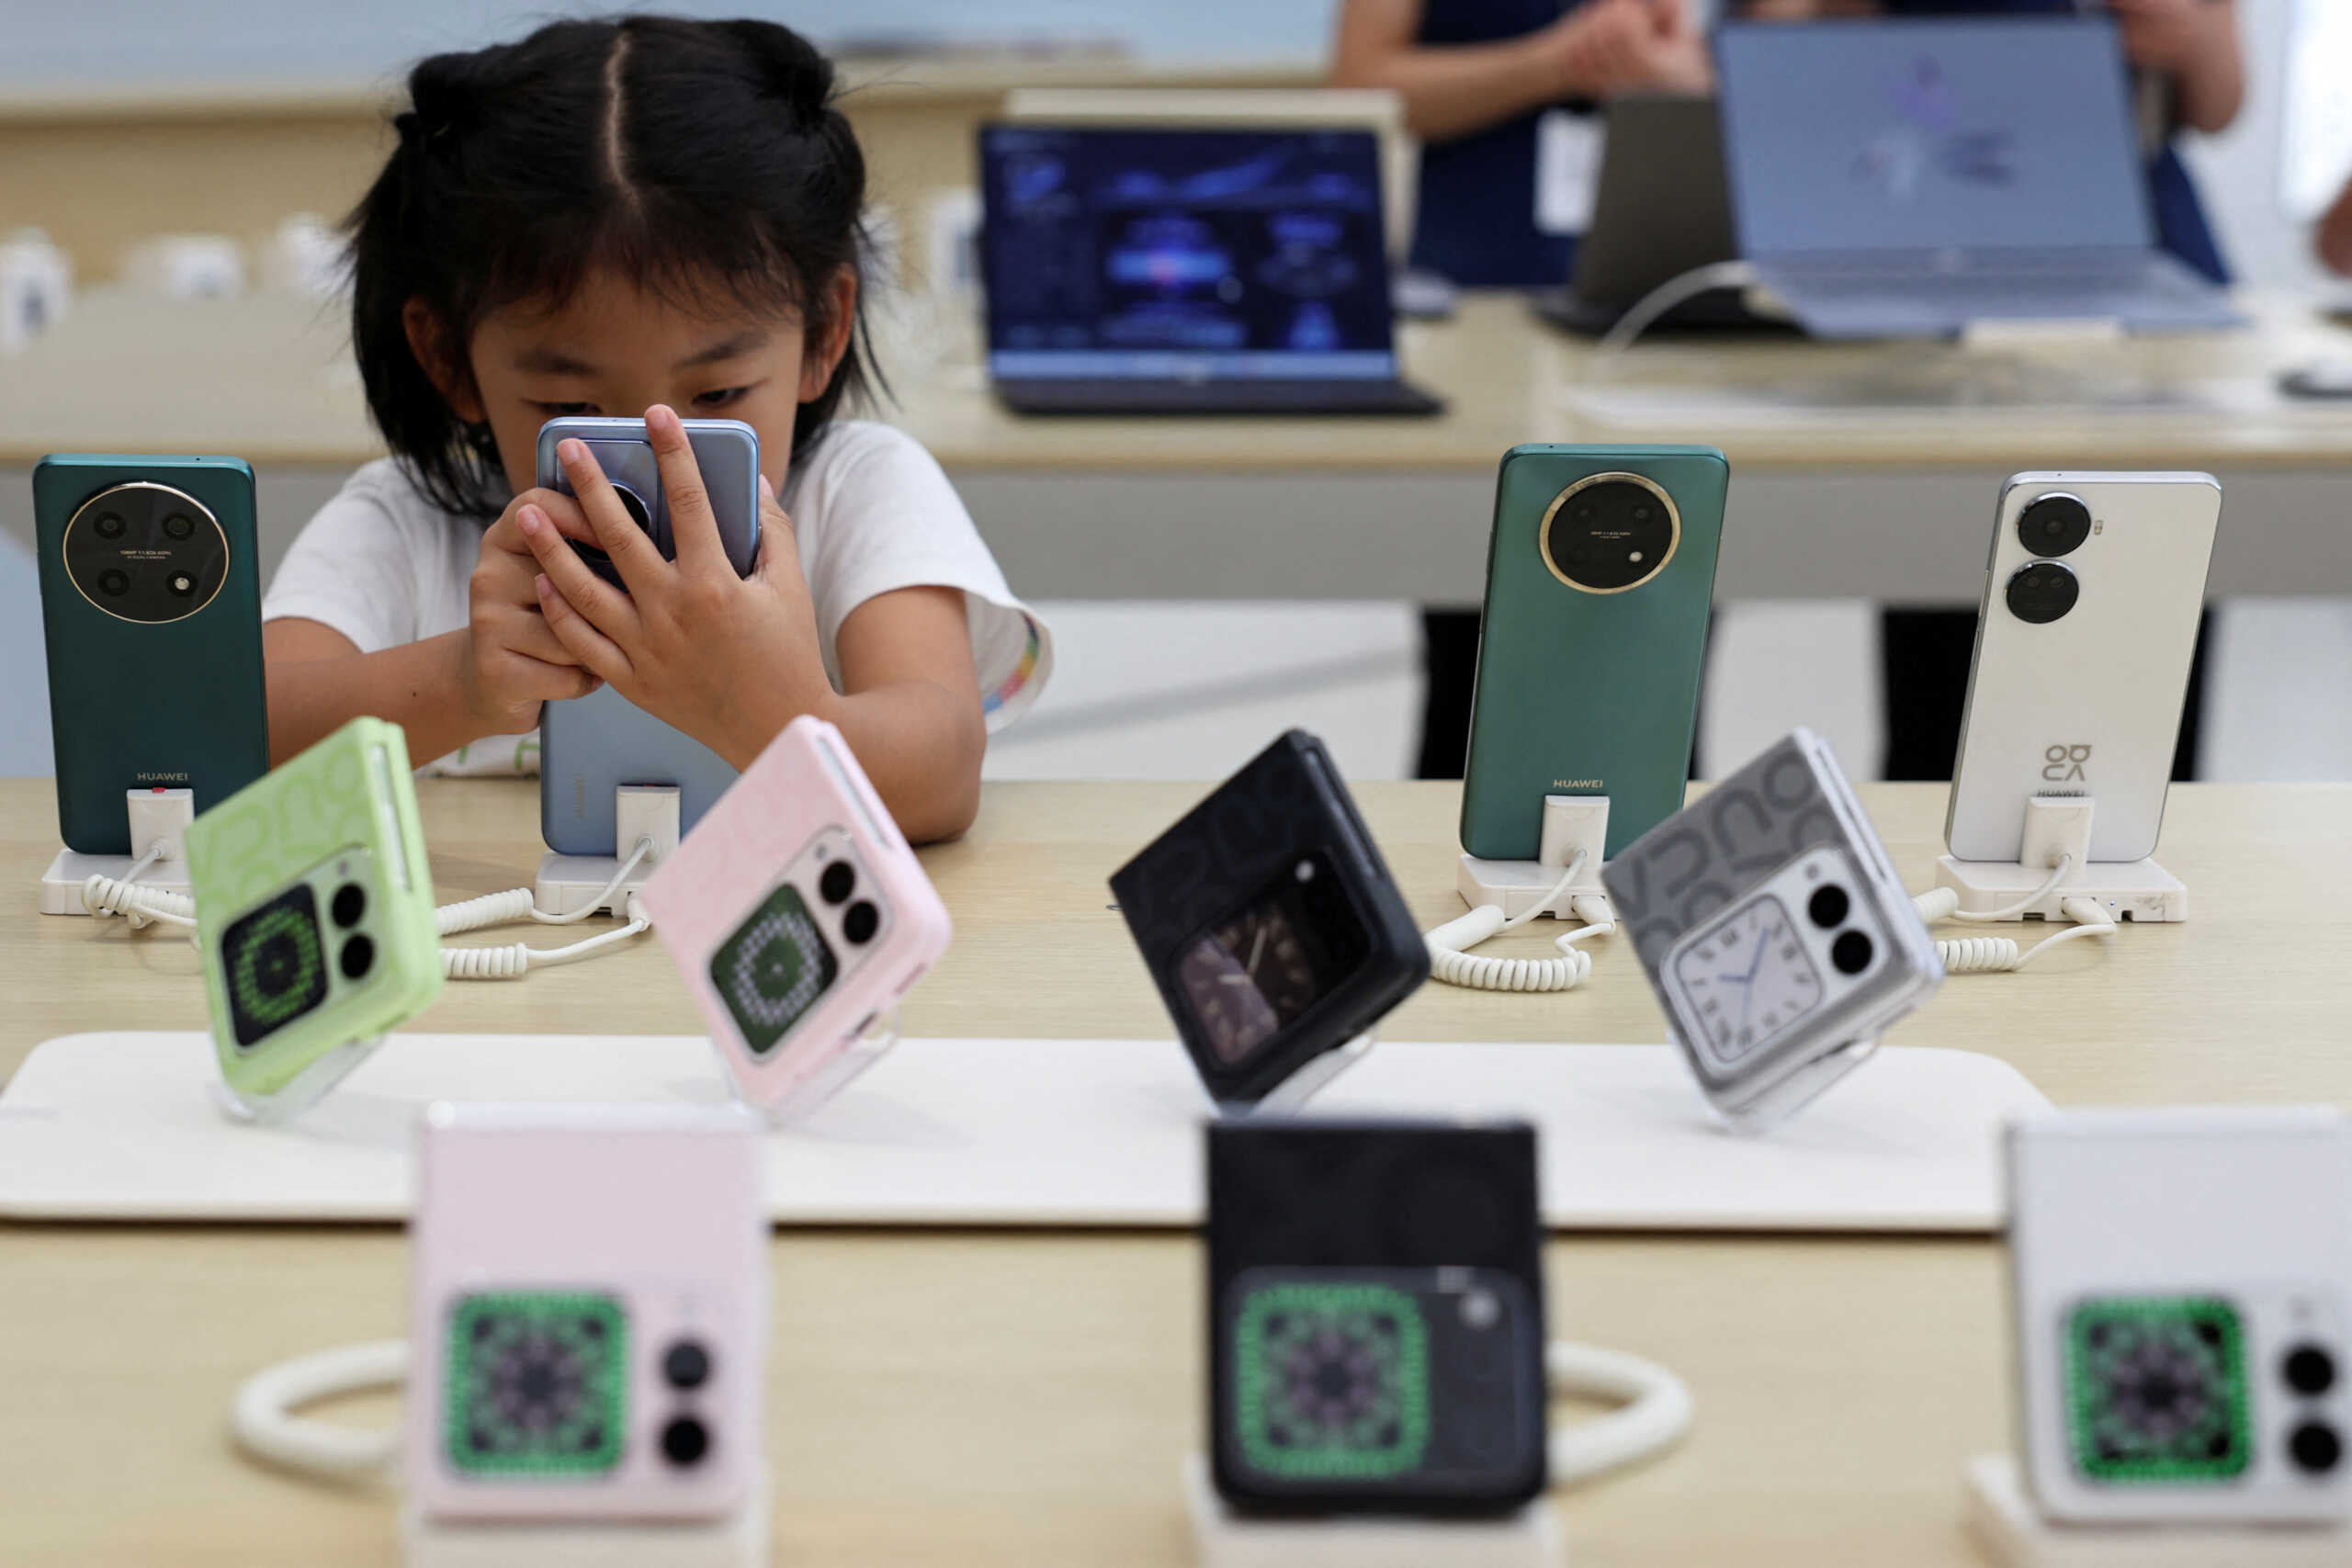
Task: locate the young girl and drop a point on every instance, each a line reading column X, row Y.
column 645, row 217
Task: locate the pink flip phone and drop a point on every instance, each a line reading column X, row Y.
column 588, row 1317
column 799, row 917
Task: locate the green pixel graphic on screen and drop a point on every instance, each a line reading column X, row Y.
column 538, row 1385
column 275, row 971
column 1331, row 1381
column 2156, row 1390
column 771, row 971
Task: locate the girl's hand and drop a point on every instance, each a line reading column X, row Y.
column 728, row 661
column 511, row 661
column 2170, row 35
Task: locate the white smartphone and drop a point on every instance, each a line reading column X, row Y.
column 2092, row 599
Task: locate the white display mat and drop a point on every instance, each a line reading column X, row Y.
column 123, row 1126
column 2015, row 1535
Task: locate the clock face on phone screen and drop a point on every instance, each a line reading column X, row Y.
column 1257, row 970
column 1747, row 979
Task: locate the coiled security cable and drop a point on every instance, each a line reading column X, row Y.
column 514, row 959
column 1451, row 962
column 1656, row 1410
column 141, row 905
column 2001, row 954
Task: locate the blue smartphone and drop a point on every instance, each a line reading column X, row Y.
column 591, row 745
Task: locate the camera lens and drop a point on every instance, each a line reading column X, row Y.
column 2041, row 593
column 2054, row 524
column 2310, row 1370
column 114, row 581
column 685, row 1365
column 860, row 924
column 2317, row 1447
column 110, row 526
column 358, row 956
column 838, row 879
column 634, row 504
column 684, row 1441
column 1616, row 533
column 1851, row 952
column 350, row 903
column 1827, row 907
column 180, row 526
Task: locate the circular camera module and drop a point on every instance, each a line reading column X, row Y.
column 2054, row 524
column 686, row 1442
column 2041, row 593
column 349, row 904
column 358, row 957
column 1610, row 533
column 685, row 1364
column 861, row 922
column 1851, row 952
column 1828, row 906
column 634, row 504
column 837, row 882
column 2318, row 1447
column 143, row 551
column 2310, row 1370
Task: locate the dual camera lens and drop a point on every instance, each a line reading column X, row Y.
column 861, row 920
column 2043, row 591
column 348, row 908
column 1828, row 908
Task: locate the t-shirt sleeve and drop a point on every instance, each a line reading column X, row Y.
column 355, row 566
column 877, row 513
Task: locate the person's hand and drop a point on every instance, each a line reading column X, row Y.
column 2174, row 36
column 511, row 660
column 728, row 661
column 1619, row 46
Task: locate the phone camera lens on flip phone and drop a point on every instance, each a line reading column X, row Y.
column 840, row 879
column 862, row 922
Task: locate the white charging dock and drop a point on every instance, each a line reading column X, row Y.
column 1573, row 824
column 738, row 1540
column 158, row 818
column 1306, row 1083
column 569, row 884
column 873, row 1042
column 1531, row 1538
column 2013, row 1531
column 2056, row 827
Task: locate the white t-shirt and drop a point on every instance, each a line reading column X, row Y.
column 384, row 566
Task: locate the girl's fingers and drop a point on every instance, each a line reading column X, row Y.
column 593, row 651
column 557, row 681
column 694, row 526
column 632, row 549
column 612, row 612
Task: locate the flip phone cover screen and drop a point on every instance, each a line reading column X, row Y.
column 1270, row 922
column 796, row 913
column 1376, row 1316
column 1774, row 930
column 314, row 912
column 148, row 575
column 1600, row 576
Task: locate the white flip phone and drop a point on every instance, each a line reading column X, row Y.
column 2092, row 599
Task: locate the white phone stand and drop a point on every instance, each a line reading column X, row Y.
column 2013, row 1531
column 2056, row 827
column 303, row 1090
column 568, row 884
column 1794, row 1092
column 1573, row 824
column 1531, row 1538
column 805, row 1101
column 738, row 1540
column 1305, row 1084
column 158, row 817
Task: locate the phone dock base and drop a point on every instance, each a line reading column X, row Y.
column 2138, row 890
column 568, row 884
column 1531, row 1538
column 158, row 818
column 821, row 1088
column 1573, row 824
column 2014, row 1535
column 740, row 1539
column 1305, row 1084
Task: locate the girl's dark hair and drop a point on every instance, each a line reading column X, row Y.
column 689, row 157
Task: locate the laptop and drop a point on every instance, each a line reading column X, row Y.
column 1658, row 210
column 1133, row 270
column 1904, row 179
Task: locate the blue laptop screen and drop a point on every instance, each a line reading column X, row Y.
column 1184, row 255
column 1930, row 135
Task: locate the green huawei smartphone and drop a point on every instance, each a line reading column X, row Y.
column 1600, row 573
column 314, row 915
column 150, row 601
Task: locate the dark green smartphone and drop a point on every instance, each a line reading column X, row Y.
column 1600, row 573
column 150, row 601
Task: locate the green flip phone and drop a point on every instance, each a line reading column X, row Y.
column 314, row 914
column 1600, row 574
column 150, row 601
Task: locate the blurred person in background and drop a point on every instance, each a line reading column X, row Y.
column 2190, row 70
column 1486, row 82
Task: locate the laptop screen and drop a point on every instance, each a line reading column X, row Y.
column 1930, row 135
column 1184, row 255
